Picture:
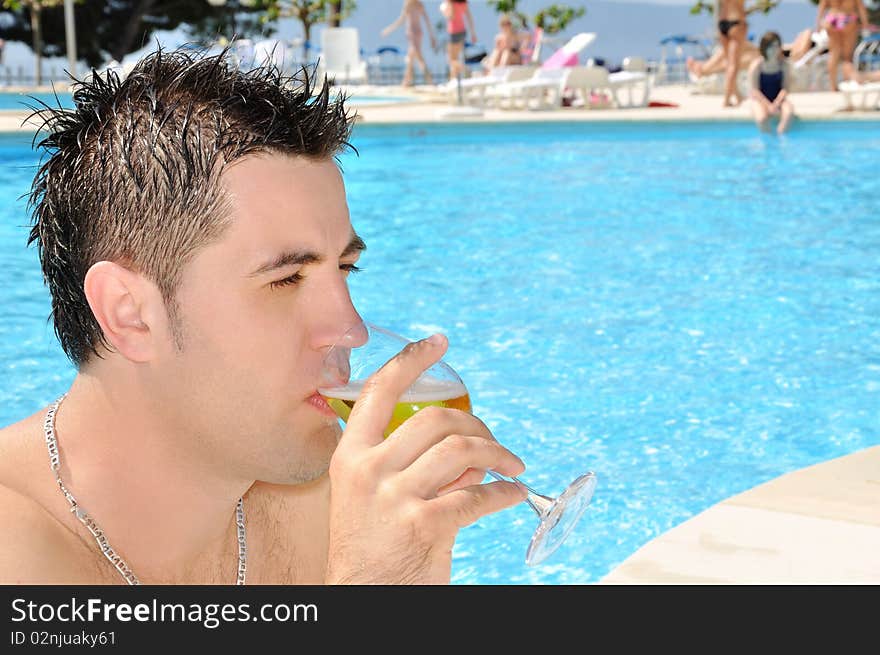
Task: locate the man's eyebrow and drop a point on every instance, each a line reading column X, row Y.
column 355, row 245
column 289, row 258
column 300, row 258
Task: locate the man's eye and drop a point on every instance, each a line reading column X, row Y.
column 293, row 279
column 349, row 268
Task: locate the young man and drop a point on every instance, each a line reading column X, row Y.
column 194, row 235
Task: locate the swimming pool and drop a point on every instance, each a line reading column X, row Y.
column 23, row 101
column 687, row 309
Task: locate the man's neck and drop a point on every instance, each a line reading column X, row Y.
column 168, row 514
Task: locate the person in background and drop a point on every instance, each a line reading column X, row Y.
column 732, row 32
column 507, row 48
column 841, row 19
column 459, row 21
column 804, row 41
column 769, row 78
column 413, row 13
column 717, row 61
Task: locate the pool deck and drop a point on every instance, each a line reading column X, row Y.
column 429, row 106
column 817, row 525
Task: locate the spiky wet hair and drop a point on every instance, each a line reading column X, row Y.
column 132, row 174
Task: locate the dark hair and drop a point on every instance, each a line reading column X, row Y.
column 767, row 40
column 133, row 171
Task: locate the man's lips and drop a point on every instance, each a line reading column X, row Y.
column 317, row 401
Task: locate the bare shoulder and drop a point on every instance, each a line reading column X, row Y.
column 36, row 548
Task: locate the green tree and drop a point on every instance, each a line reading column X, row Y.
column 556, row 18
column 552, row 19
column 34, row 9
column 310, row 13
column 111, row 29
column 763, row 6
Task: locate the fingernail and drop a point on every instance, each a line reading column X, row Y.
column 435, row 339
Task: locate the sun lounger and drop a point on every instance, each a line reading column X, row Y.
column 341, row 56
column 810, row 71
column 634, row 79
column 473, row 89
column 547, row 87
column 869, row 93
column 567, row 55
column 543, row 90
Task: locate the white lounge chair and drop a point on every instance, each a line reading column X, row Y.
column 635, row 80
column 865, row 53
column 473, row 89
column 340, row 58
column 810, row 71
column 543, row 90
column 269, row 52
column 546, row 88
column 869, row 93
column 567, row 55
column 546, row 85
column 585, row 81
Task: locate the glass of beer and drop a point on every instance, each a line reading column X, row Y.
column 365, row 348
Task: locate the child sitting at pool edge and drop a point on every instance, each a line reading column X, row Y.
column 769, row 78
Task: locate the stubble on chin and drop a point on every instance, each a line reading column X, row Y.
column 314, row 462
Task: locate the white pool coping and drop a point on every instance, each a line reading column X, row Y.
column 818, row 525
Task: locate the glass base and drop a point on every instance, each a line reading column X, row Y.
column 559, row 519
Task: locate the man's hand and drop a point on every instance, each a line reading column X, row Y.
column 396, row 504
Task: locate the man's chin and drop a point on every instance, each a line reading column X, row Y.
column 313, row 458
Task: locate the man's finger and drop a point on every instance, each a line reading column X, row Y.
column 427, row 428
column 382, row 390
column 444, row 462
column 465, row 506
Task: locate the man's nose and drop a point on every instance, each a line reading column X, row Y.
column 338, row 323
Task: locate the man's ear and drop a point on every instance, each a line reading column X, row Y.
column 128, row 307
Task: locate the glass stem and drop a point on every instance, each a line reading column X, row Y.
column 538, row 502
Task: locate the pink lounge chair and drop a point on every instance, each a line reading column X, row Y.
column 567, row 55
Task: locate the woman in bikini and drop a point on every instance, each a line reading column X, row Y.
column 413, row 13
column 732, row 31
column 457, row 13
column 841, row 19
column 506, row 51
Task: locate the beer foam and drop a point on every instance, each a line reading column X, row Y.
column 424, row 390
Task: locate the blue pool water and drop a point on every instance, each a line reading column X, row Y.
column 24, row 101
column 688, row 310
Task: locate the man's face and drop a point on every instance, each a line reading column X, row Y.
column 258, row 310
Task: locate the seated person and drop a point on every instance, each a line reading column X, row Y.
column 716, row 63
column 802, row 43
column 507, row 47
column 769, row 79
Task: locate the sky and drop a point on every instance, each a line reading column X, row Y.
column 623, row 27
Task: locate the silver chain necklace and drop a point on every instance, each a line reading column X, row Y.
column 77, row 510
